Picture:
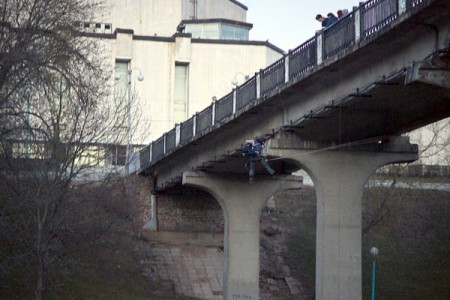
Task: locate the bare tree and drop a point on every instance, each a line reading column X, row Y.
column 55, row 110
column 434, row 149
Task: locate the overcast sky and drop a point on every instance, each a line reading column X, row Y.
column 289, row 23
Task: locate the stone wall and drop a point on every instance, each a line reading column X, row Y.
column 188, row 210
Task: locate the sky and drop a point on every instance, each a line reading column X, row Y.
column 289, row 23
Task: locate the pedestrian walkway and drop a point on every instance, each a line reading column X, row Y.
column 191, row 270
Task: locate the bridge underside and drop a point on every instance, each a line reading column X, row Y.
column 413, row 97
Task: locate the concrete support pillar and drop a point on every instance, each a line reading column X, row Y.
column 152, row 224
column 242, row 204
column 339, row 177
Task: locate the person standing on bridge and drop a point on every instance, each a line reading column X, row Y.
column 326, row 22
column 254, row 153
column 342, row 13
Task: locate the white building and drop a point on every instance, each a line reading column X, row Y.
column 189, row 52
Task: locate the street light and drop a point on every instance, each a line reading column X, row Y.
column 235, row 81
column 128, row 150
column 374, row 251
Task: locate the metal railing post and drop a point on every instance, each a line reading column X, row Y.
column 357, row 14
column 165, row 143
column 213, row 116
column 194, row 124
column 401, row 7
column 319, row 42
column 286, row 67
column 258, row 85
column 177, row 134
column 234, row 101
column 151, row 152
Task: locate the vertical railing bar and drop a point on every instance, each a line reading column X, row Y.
column 150, row 155
column 213, row 114
column 234, row 101
column 177, row 134
column 164, row 143
column 194, row 125
column 319, row 41
column 258, row 85
column 286, row 68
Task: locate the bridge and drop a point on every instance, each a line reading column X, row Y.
column 336, row 106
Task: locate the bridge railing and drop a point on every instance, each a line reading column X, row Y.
column 272, row 77
column 377, row 14
column 246, row 93
column 204, row 120
column 157, row 149
column 361, row 24
column 412, row 5
column 171, row 142
column 303, row 58
column 187, row 130
column 339, row 37
column 224, row 108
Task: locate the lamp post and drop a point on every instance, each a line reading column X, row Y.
column 235, row 81
column 128, row 149
column 374, row 251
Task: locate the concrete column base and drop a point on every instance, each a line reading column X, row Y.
column 242, row 204
column 339, row 177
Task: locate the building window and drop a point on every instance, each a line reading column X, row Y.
column 120, row 76
column 121, row 94
column 203, row 31
column 180, row 93
column 229, row 32
column 217, row 31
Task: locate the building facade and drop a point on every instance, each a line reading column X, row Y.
column 189, row 52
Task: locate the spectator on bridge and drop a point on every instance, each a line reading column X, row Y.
column 342, row 13
column 254, row 152
column 331, row 18
column 326, row 22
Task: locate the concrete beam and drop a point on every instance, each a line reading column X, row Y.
column 434, row 72
column 242, row 204
column 339, row 177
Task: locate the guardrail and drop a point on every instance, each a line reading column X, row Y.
column 361, row 24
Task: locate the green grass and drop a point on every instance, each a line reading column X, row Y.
column 413, row 238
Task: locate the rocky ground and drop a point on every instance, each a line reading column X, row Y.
column 179, row 267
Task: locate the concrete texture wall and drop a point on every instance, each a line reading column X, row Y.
column 189, row 210
column 147, row 42
column 161, row 17
column 211, row 68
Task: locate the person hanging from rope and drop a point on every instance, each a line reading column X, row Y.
column 254, row 151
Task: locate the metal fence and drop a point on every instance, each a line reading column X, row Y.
column 272, row 77
column 246, row 93
column 361, row 24
column 412, row 5
column 157, row 150
column 224, row 108
column 204, row 119
column 338, row 37
column 186, row 130
column 377, row 14
column 302, row 58
column 170, row 140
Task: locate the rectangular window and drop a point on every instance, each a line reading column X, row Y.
column 211, row 31
column 180, row 93
column 195, row 29
column 120, row 77
column 229, row 32
column 121, row 93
